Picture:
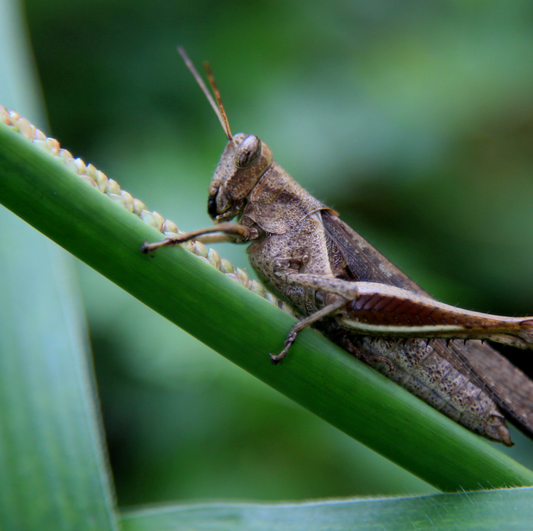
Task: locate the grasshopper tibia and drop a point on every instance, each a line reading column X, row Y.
column 304, row 323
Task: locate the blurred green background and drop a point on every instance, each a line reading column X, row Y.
column 412, row 119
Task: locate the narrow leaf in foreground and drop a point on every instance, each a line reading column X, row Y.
column 52, row 457
column 496, row 510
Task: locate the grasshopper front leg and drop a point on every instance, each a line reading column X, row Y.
column 225, row 232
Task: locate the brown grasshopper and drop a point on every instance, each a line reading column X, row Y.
column 356, row 297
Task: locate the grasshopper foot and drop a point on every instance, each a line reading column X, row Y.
column 146, row 249
column 382, row 359
column 278, row 358
column 368, row 358
column 275, row 359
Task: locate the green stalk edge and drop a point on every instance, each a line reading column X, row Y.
column 244, row 328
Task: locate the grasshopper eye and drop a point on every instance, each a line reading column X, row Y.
column 248, row 152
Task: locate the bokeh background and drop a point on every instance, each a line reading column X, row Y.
column 413, row 119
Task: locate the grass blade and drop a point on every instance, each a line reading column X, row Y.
column 51, row 451
column 490, row 511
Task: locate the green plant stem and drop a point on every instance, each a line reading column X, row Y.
column 245, row 328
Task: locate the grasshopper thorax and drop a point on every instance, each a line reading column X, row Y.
column 242, row 164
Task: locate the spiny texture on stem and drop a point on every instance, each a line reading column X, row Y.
column 109, row 187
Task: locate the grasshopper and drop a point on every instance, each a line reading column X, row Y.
column 356, row 297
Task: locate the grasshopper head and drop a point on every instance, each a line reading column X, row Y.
column 242, row 164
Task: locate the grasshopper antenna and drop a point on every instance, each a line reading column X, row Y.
column 219, row 99
column 219, row 110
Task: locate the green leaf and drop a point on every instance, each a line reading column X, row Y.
column 502, row 509
column 245, row 328
column 54, row 473
column 52, row 457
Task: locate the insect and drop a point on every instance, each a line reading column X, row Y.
column 356, row 297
